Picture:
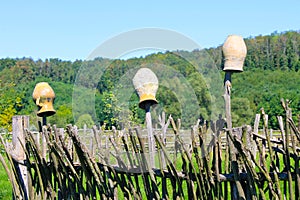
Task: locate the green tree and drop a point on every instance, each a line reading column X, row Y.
column 85, row 119
column 108, row 109
column 63, row 116
column 241, row 111
column 10, row 104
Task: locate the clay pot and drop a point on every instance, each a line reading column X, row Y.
column 43, row 96
column 234, row 51
column 146, row 84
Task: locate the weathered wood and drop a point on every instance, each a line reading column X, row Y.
column 19, row 124
column 237, row 190
column 11, row 171
column 151, row 144
column 164, row 126
column 288, row 111
column 274, row 187
column 197, row 176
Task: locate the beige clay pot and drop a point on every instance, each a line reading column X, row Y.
column 146, row 84
column 43, row 96
column 234, row 51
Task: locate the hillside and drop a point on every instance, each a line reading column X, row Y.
column 271, row 72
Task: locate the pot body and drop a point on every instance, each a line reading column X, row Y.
column 43, row 96
column 146, row 84
column 234, row 51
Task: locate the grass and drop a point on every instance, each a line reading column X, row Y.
column 5, row 185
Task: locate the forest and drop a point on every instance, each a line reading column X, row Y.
column 100, row 91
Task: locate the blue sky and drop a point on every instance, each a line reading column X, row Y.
column 71, row 30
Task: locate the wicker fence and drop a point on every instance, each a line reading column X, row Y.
column 192, row 164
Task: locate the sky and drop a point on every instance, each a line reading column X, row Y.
column 71, row 30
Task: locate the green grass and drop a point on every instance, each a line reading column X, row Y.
column 5, row 185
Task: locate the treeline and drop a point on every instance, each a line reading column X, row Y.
column 190, row 85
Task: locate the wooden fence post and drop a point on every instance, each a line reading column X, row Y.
column 151, row 144
column 236, row 189
column 19, row 124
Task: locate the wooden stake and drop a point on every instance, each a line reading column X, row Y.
column 237, row 190
column 19, row 124
column 150, row 134
column 43, row 132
